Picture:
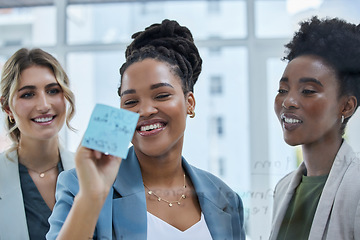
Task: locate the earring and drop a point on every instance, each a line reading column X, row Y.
column 342, row 118
column 11, row 120
column 191, row 112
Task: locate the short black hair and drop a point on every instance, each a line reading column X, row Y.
column 335, row 41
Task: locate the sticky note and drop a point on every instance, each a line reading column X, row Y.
column 110, row 130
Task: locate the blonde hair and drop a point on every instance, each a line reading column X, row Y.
column 10, row 78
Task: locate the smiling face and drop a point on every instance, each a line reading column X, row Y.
column 38, row 105
column 150, row 88
column 308, row 104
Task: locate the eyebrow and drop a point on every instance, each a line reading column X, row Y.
column 158, row 85
column 152, row 87
column 32, row 87
column 313, row 80
column 304, row 80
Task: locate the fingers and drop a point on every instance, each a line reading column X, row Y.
column 97, row 154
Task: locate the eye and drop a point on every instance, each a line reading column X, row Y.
column 27, row 95
column 282, row 91
column 163, row 96
column 54, row 91
column 130, row 102
column 308, row 91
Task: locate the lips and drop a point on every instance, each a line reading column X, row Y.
column 149, row 128
column 290, row 121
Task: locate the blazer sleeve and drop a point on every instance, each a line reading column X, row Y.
column 66, row 189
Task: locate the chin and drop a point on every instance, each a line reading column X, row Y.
column 292, row 142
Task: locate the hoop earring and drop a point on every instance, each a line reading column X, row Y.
column 11, row 120
column 191, row 112
column 342, row 118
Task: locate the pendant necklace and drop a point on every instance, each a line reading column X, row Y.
column 170, row 203
column 42, row 173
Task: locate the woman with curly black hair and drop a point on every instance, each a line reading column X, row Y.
column 155, row 194
column 318, row 93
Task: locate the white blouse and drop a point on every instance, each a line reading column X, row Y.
column 157, row 229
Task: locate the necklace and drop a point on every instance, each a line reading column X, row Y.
column 42, row 173
column 170, row 203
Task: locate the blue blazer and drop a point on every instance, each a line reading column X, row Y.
column 125, row 207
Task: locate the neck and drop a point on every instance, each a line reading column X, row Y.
column 38, row 155
column 165, row 170
column 319, row 157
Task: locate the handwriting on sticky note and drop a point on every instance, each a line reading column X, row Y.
column 110, row 130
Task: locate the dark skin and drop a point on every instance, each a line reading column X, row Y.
column 151, row 89
column 157, row 95
column 310, row 109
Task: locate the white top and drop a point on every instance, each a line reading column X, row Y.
column 158, row 229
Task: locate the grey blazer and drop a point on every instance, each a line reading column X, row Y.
column 124, row 211
column 12, row 213
column 338, row 212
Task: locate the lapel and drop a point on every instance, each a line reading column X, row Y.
column 283, row 201
column 322, row 215
column 67, row 158
column 213, row 203
column 129, row 204
column 12, row 218
column 129, row 213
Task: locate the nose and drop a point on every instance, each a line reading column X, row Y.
column 147, row 108
column 43, row 104
column 290, row 102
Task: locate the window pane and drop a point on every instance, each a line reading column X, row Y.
column 280, row 18
column 94, row 78
column 272, row 19
column 203, row 145
column 28, row 26
column 111, row 23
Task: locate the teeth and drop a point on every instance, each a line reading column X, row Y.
column 47, row 119
column 150, row 127
column 291, row 120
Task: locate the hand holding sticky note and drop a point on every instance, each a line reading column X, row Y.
column 110, row 130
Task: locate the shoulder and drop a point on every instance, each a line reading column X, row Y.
column 68, row 176
column 67, row 182
column 8, row 161
column 67, row 158
column 211, row 187
column 346, row 164
column 206, row 176
column 283, row 184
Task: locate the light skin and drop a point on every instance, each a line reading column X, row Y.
column 150, row 88
column 309, row 109
column 38, row 108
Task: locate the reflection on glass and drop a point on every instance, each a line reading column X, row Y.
column 112, row 23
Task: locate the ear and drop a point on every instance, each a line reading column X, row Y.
column 349, row 106
column 190, row 99
column 6, row 108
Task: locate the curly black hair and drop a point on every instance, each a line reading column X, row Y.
column 337, row 42
column 167, row 42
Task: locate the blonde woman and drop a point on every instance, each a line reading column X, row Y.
column 36, row 98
